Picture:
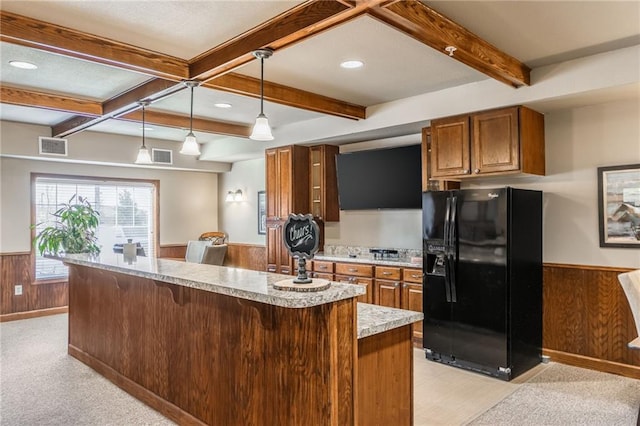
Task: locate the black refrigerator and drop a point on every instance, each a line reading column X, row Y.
column 482, row 267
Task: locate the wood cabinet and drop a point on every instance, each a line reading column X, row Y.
column 322, row 269
column 323, row 190
column 387, row 286
column 412, row 296
column 287, row 191
column 357, row 274
column 507, row 140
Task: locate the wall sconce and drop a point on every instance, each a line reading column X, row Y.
column 234, row 196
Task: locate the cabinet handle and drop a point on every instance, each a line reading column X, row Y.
column 465, row 171
column 415, row 276
column 476, row 171
column 395, row 285
column 386, row 273
column 404, row 285
column 352, row 270
column 322, row 267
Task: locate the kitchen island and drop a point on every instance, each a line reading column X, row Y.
column 214, row 345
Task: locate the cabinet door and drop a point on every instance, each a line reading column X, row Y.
column 388, row 293
column 284, row 173
column 272, row 185
column 273, row 257
column 323, row 183
column 412, row 301
column 450, row 149
column 496, row 146
column 365, row 282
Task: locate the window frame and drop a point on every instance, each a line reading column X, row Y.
column 76, row 178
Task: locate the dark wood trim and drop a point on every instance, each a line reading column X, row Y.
column 593, row 363
column 34, row 314
column 430, row 27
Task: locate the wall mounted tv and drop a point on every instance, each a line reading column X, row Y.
column 387, row 178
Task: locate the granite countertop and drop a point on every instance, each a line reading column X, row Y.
column 400, row 262
column 375, row 319
column 241, row 283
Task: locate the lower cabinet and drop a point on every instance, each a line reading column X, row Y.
column 387, row 286
column 322, row 270
column 357, row 274
column 278, row 259
column 412, row 296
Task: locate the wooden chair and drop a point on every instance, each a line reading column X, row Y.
column 217, row 237
column 214, row 254
column 630, row 282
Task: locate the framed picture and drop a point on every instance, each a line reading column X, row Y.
column 262, row 213
column 619, row 206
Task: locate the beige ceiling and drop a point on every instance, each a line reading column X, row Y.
column 397, row 66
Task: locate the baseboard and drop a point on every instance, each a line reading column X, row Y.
column 163, row 406
column 34, row 314
column 593, row 363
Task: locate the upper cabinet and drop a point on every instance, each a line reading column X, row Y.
column 287, row 181
column 508, row 140
column 323, row 183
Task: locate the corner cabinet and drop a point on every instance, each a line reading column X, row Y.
column 287, row 191
column 507, row 140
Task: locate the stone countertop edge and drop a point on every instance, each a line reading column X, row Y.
column 375, row 319
column 366, row 260
column 235, row 282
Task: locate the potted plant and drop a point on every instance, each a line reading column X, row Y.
column 74, row 230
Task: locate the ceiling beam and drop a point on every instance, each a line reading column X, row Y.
column 292, row 26
column 42, row 35
column 180, row 121
column 30, row 98
column 436, row 30
column 248, row 86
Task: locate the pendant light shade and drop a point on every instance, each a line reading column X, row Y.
column 190, row 145
column 262, row 130
column 143, row 153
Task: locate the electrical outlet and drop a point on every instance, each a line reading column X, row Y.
column 18, row 290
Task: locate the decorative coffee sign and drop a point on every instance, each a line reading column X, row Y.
column 301, row 236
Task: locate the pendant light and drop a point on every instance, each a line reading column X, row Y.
column 143, row 153
column 261, row 130
column 190, row 145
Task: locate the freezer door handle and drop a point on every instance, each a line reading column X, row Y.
column 452, row 278
column 447, row 215
column 447, row 282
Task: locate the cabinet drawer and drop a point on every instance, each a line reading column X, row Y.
column 354, row 269
column 412, row 276
column 388, row 273
column 321, row 275
column 322, row 266
column 353, row 280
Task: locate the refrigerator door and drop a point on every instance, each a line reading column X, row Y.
column 480, row 284
column 437, row 322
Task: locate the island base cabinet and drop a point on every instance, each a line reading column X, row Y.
column 201, row 357
column 385, row 379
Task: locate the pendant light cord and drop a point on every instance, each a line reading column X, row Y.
column 191, row 114
column 143, row 126
column 261, row 85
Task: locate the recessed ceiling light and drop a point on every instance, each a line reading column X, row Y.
column 351, row 64
column 222, row 105
column 23, row 65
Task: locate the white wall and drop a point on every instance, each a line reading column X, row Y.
column 240, row 219
column 188, row 199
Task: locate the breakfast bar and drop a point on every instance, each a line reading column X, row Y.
column 216, row 345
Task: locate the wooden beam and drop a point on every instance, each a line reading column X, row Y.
column 30, row 98
column 292, row 26
column 436, row 30
column 42, row 35
column 285, row 95
column 180, row 121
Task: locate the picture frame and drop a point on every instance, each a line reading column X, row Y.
column 262, row 213
column 619, row 206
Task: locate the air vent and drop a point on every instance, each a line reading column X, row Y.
column 52, row 146
column 162, row 156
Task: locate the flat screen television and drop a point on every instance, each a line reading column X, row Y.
column 387, row 178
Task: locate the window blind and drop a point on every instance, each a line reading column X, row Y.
column 127, row 211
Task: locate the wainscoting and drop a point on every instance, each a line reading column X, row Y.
column 587, row 320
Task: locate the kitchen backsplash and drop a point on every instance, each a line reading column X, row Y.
column 363, row 252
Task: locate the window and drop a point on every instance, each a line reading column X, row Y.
column 127, row 211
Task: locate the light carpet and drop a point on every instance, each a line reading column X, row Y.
column 566, row 395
